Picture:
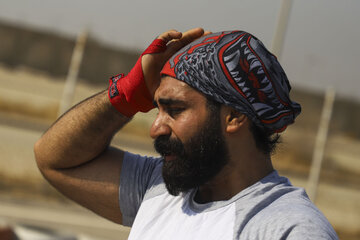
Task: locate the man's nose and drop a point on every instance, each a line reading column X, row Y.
column 160, row 127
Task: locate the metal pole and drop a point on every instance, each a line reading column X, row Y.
column 280, row 30
column 71, row 80
column 320, row 143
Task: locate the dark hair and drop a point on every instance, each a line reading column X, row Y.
column 265, row 141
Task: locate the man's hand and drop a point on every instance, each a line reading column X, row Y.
column 134, row 92
column 153, row 63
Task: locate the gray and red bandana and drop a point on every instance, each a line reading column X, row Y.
column 235, row 68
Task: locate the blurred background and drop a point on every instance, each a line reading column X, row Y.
column 55, row 53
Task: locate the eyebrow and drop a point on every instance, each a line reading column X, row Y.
column 167, row 102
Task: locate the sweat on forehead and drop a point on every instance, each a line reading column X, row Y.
column 235, row 68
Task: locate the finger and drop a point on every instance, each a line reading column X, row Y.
column 170, row 35
column 187, row 37
column 207, row 33
column 192, row 33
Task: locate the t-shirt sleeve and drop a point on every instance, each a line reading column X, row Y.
column 311, row 230
column 304, row 221
column 292, row 217
column 138, row 174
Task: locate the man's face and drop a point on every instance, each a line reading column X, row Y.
column 188, row 135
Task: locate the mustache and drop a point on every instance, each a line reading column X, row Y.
column 166, row 146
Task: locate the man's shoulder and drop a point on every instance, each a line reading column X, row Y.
column 139, row 179
column 291, row 216
column 293, row 206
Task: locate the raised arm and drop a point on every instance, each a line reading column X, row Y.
column 74, row 153
column 75, row 157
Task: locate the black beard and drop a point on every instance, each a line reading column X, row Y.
column 197, row 161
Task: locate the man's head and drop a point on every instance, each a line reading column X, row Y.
column 228, row 70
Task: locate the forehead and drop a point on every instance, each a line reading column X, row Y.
column 174, row 89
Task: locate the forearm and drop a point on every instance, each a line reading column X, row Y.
column 79, row 135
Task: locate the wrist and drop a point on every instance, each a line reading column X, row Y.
column 129, row 94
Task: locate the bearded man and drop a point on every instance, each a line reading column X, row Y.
column 222, row 100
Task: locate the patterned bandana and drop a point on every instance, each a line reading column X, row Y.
column 235, row 68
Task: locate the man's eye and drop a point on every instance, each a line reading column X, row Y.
column 174, row 111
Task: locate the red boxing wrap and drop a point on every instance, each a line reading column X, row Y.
column 129, row 94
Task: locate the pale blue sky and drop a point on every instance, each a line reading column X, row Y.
column 321, row 45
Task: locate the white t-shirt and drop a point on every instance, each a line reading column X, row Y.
column 269, row 209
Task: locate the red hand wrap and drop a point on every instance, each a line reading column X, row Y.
column 129, row 94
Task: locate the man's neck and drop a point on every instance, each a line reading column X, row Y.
column 235, row 177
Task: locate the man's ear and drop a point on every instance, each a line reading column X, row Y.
column 235, row 121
